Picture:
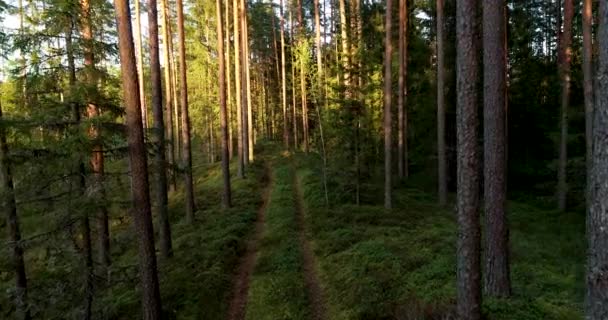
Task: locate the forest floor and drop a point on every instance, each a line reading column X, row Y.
column 281, row 254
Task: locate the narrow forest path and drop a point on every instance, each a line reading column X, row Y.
column 313, row 286
column 240, row 285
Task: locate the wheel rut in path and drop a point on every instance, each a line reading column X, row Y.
column 242, row 277
column 311, row 279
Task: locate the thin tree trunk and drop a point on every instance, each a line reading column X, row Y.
column 388, row 51
column 442, row 174
column 588, row 82
column 140, row 65
column 96, row 192
column 318, row 45
column 159, row 133
column 597, row 217
column 185, row 123
column 169, row 93
column 301, row 39
column 250, row 128
column 243, row 78
column 468, row 273
column 402, row 94
column 345, row 44
column 238, row 81
column 228, row 73
column 151, row 303
column 565, row 54
column 294, row 123
column 284, row 81
column 496, row 272
column 7, row 194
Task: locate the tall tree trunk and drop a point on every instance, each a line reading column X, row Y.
column 294, row 121
column 588, row 82
column 226, row 195
column 9, row 206
column 142, row 217
column 185, row 123
column 388, row 51
column 243, row 78
column 301, row 38
column 402, row 94
column 345, row 44
column 96, row 192
column 176, row 103
column 597, row 216
column 564, row 70
column 442, row 172
column 140, row 64
column 228, row 74
column 159, row 133
column 247, row 82
column 284, row 81
column 169, row 94
column 238, row 82
column 468, row 272
column 318, row 44
column 497, row 280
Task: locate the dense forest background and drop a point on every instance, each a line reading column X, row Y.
column 215, row 115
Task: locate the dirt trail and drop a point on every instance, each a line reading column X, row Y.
column 240, row 284
column 315, row 292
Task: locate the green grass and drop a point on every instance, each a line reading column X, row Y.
column 277, row 290
column 401, row 264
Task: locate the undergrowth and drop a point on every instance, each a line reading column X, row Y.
column 401, row 264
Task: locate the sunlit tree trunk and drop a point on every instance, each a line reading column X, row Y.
column 169, row 93
column 597, row 217
column 497, row 281
column 185, row 121
column 468, row 273
column 564, row 70
column 159, row 133
column 247, row 75
column 442, row 174
column 140, row 64
column 284, row 81
column 588, row 81
column 142, row 217
column 243, row 79
column 345, row 54
column 388, row 51
column 238, row 81
column 228, row 73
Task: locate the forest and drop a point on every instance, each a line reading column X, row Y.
column 291, row 159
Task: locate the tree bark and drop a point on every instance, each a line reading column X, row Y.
column 497, row 279
column 564, row 70
column 96, row 188
column 468, row 273
column 345, row 44
column 226, row 195
column 140, row 65
column 388, row 51
column 228, row 73
column 169, row 93
column 159, row 133
column 284, row 81
column 140, row 194
column 185, row 121
column 588, row 82
column 238, row 82
column 402, row 94
column 442, row 172
column 245, row 96
column 597, row 217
